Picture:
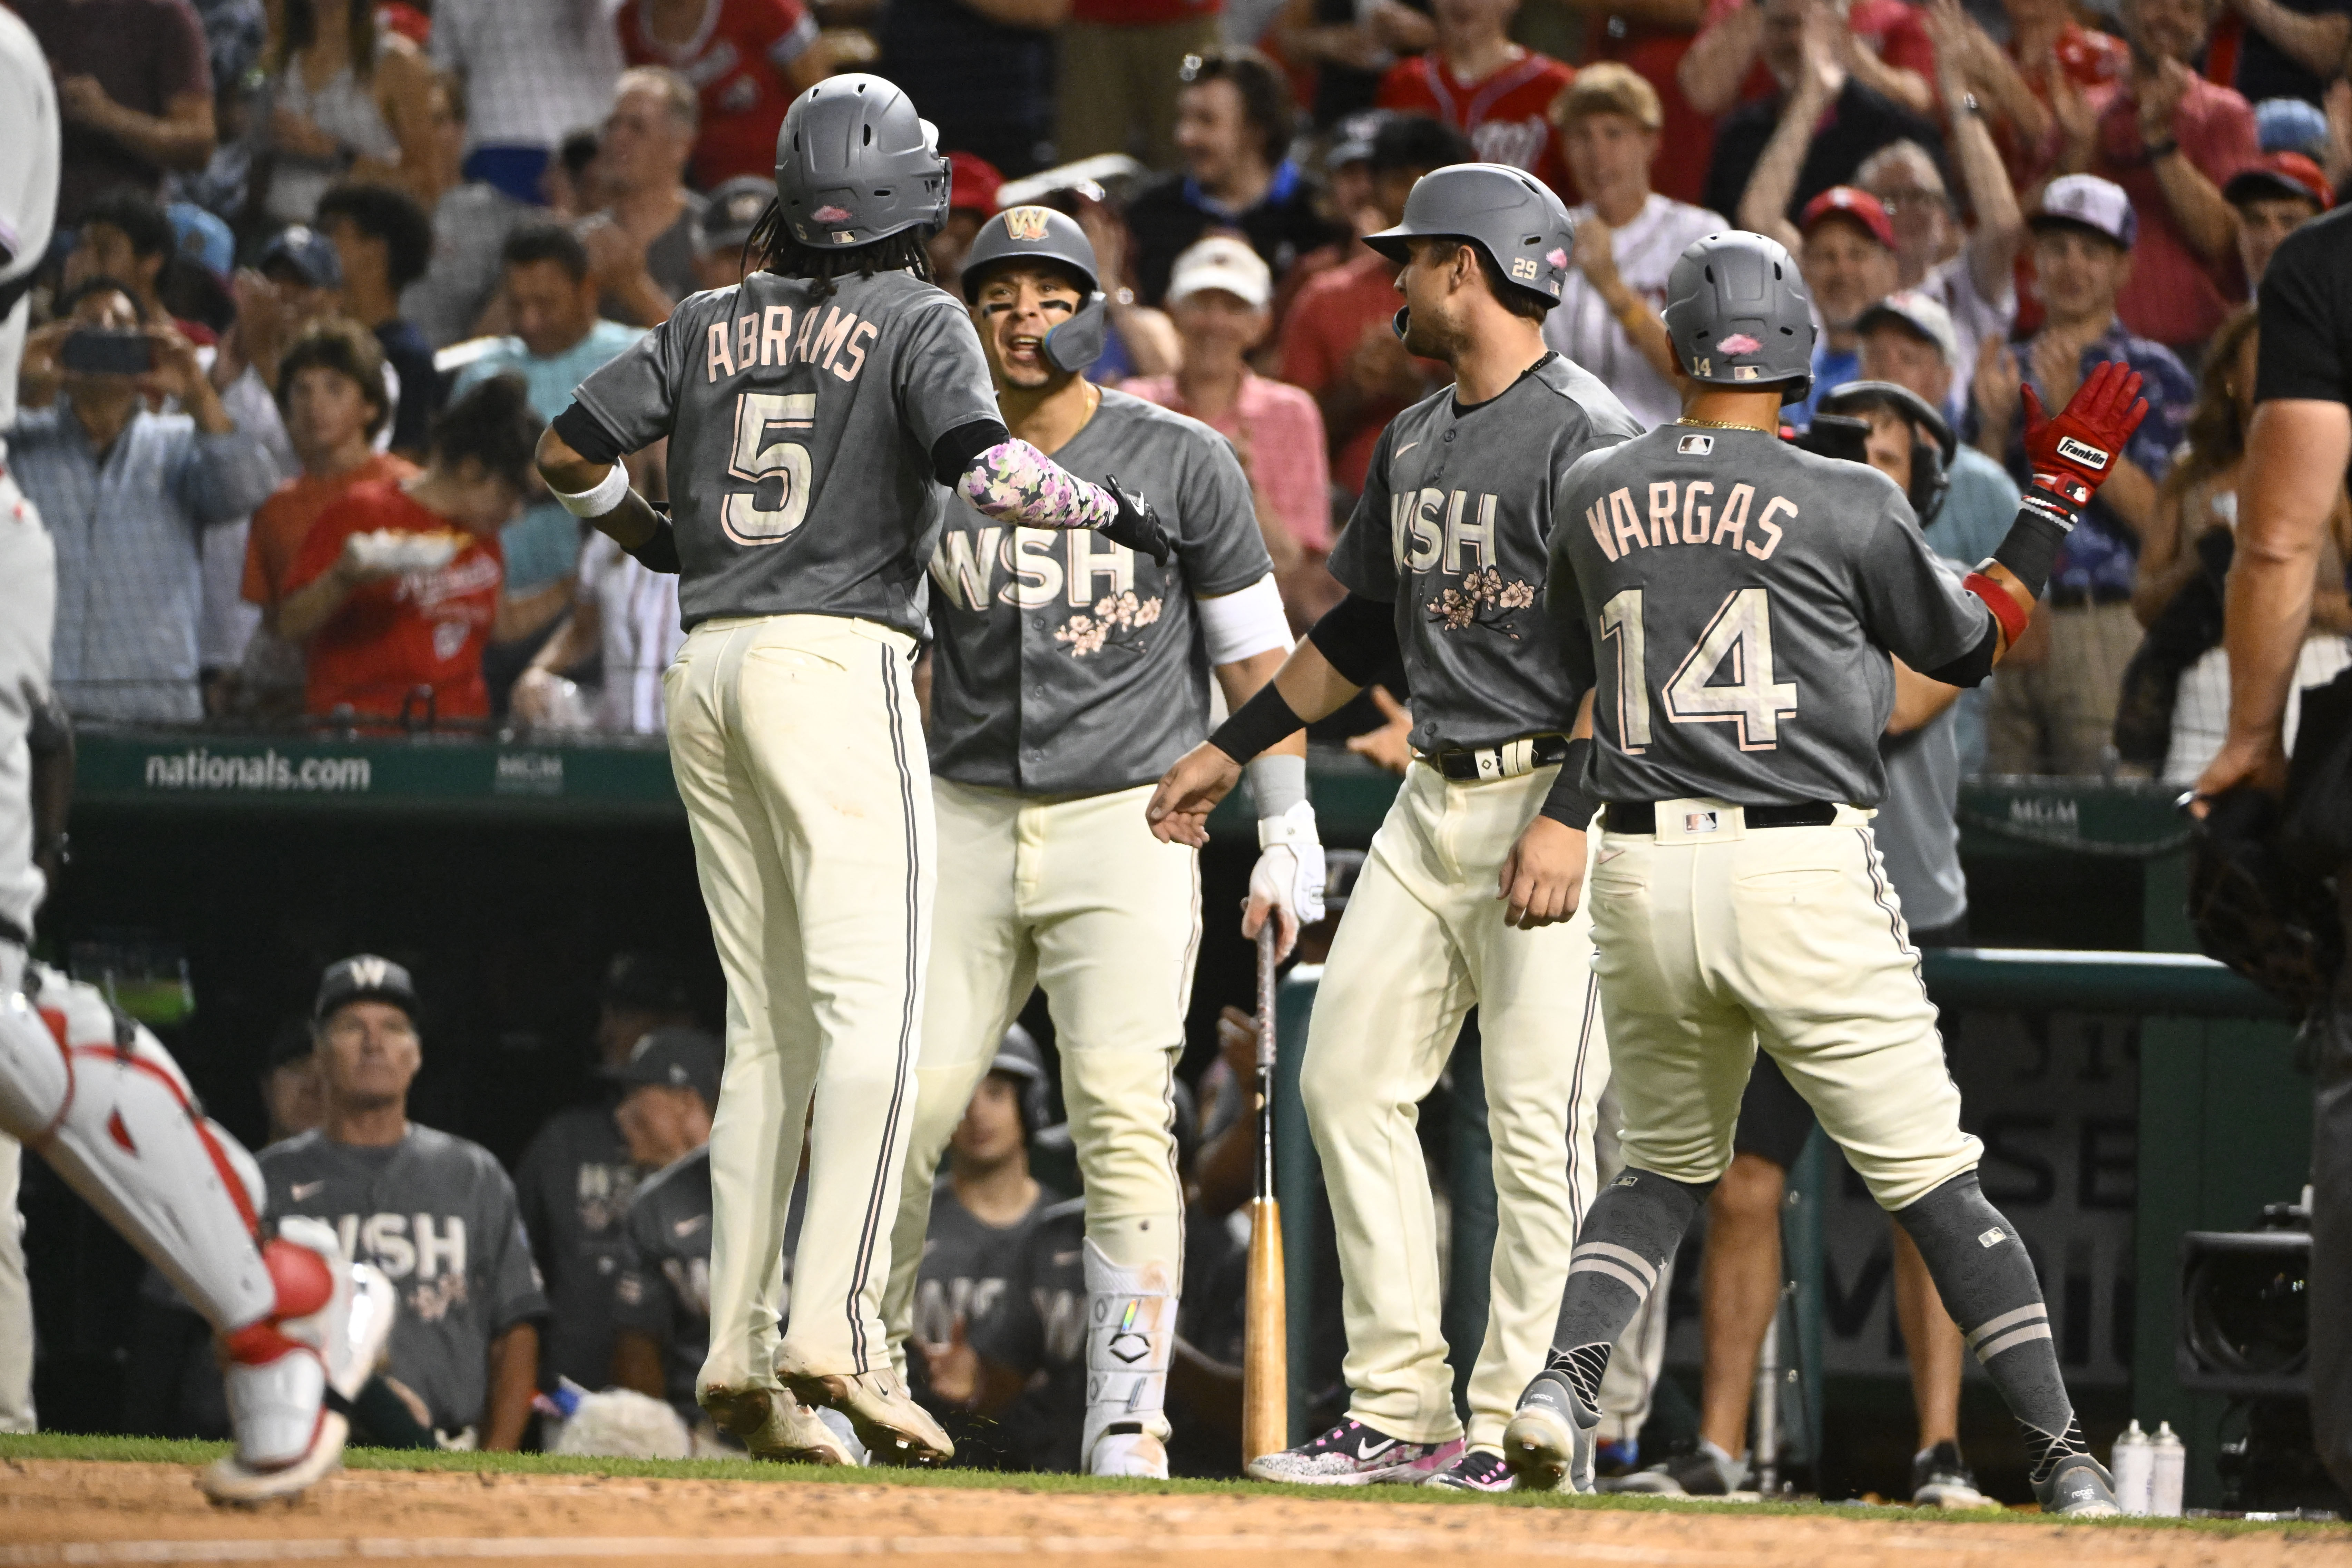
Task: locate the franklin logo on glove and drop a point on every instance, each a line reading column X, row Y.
column 2075, row 451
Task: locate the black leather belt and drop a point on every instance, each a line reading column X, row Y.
column 1642, row 816
column 1512, row 759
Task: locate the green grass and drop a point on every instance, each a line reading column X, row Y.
column 157, row 1450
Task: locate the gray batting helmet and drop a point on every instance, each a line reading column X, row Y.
column 1738, row 315
column 1507, row 212
column 1041, row 234
column 856, row 163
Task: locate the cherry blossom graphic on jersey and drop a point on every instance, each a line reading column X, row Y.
column 1118, row 622
column 1484, row 600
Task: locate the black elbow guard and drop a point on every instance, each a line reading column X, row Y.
column 952, row 454
column 1972, row 667
column 1357, row 638
column 2030, row 546
column 1567, row 802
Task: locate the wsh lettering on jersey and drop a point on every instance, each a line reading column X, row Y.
column 766, row 339
column 424, row 1257
column 1046, row 568
column 1433, row 530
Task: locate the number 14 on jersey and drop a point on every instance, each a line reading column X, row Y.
column 1751, row 700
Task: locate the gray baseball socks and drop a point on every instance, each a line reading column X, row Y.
column 1628, row 1235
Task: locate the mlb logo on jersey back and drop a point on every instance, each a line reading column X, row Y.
column 1695, row 447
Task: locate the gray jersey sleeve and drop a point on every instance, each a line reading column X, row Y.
column 634, row 395
column 509, row 1271
column 1363, row 560
column 939, row 373
column 1218, row 543
column 1909, row 604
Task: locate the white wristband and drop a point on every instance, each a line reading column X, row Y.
column 599, row 499
column 1292, row 829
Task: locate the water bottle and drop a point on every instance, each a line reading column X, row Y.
column 2130, row 1460
column 2167, row 1471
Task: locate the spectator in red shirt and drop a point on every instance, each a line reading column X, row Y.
column 1337, row 341
column 1487, row 87
column 330, row 393
column 2171, row 140
column 134, row 89
column 1218, row 297
column 747, row 59
column 972, row 184
column 1118, row 58
column 2039, row 81
column 386, row 618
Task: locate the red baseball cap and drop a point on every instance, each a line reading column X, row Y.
column 1852, row 205
column 2280, row 175
column 972, row 184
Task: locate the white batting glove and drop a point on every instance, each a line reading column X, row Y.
column 1288, row 881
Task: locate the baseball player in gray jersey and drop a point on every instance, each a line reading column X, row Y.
column 1446, row 559
column 1737, row 599
column 816, row 414
column 1068, row 673
column 95, row 1094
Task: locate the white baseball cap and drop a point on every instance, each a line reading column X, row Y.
column 2088, row 202
column 1923, row 313
column 1220, row 261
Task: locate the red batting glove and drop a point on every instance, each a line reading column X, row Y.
column 2073, row 455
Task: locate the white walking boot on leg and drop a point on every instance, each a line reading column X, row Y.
column 1130, row 1335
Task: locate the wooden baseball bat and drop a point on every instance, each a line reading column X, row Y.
column 1265, row 1358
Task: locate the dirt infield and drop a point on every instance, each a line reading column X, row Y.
column 66, row 1511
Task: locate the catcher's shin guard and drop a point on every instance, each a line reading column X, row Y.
column 100, row 1098
column 1130, row 1335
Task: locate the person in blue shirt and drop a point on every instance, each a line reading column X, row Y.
column 557, row 340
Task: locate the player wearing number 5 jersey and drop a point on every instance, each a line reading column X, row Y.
column 1737, row 600
column 817, row 413
column 1444, row 560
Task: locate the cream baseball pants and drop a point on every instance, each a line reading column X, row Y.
column 1422, row 942
column 799, row 752
column 1075, row 894
column 1716, row 943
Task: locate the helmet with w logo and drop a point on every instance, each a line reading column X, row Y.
column 1036, row 234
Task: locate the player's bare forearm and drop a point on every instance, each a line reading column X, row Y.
column 2295, row 454
column 514, row 1372
column 1189, row 792
column 1917, row 700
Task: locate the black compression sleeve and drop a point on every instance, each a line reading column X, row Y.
column 1356, row 638
column 952, row 453
column 1567, row 802
column 1972, row 667
column 1264, row 720
column 583, row 434
column 659, row 553
column 2031, row 547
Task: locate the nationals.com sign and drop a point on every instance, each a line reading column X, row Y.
column 200, row 769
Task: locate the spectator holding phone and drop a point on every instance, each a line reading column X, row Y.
column 395, row 590
column 127, row 495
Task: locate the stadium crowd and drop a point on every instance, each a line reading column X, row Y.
column 372, row 248
column 361, row 253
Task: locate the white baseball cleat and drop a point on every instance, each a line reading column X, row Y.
column 1549, row 1442
column 2079, row 1488
column 773, row 1425
column 291, row 1376
column 1138, row 1453
column 894, row 1428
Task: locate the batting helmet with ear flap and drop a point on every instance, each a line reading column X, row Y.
column 1031, row 233
column 856, row 163
column 1514, row 218
column 1738, row 316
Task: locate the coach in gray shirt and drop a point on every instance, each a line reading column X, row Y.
column 433, row 1211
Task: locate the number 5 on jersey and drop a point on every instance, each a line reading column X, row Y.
column 1741, row 632
column 757, row 458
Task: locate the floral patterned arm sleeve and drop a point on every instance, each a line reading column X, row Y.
column 1015, row 483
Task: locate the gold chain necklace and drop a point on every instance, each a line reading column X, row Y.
column 1724, row 425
